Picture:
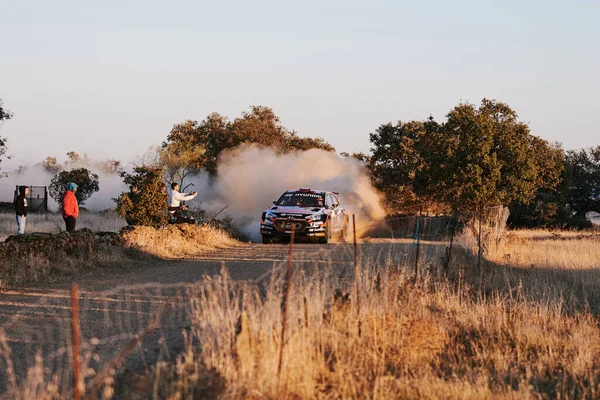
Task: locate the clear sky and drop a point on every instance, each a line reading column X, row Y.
column 110, row 79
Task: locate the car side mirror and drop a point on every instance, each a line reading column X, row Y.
column 274, row 201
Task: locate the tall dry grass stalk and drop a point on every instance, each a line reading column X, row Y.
column 357, row 274
column 78, row 385
column 286, row 295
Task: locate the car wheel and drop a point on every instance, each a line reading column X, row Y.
column 267, row 240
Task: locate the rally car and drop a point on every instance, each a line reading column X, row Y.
column 311, row 213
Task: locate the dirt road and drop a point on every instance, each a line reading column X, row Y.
column 119, row 303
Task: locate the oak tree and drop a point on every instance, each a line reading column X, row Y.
column 149, row 206
column 87, row 184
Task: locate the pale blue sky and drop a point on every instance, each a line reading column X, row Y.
column 111, row 79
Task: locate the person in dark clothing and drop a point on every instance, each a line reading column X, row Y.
column 21, row 208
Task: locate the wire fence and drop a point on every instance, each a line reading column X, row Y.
column 442, row 228
column 37, row 198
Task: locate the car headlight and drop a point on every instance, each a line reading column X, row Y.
column 317, row 219
column 270, row 215
column 267, row 218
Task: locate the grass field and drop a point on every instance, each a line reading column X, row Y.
column 545, row 249
column 524, row 326
column 506, row 335
column 53, row 223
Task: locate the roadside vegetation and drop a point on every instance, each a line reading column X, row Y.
column 176, row 241
column 514, row 333
column 50, row 253
column 511, row 331
column 30, row 259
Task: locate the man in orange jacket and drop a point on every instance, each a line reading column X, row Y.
column 70, row 209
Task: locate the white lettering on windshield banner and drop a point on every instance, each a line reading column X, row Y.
column 303, row 194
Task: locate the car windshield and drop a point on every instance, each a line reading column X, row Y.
column 301, row 199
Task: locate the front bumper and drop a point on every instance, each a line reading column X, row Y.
column 283, row 228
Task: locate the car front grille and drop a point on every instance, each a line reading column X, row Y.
column 287, row 224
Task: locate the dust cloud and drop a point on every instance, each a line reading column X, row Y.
column 250, row 178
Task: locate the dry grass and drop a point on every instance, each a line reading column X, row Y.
column 506, row 336
column 40, row 257
column 53, row 223
column 36, row 257
column 36, row 268
column 177, row 241
column 545, row 234
column 509, row 333
column 416, row 341
column 544, row 249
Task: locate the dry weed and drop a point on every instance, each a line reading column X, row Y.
column 519, row 333
column 418, row 341
column 176, row 241
column 545, row 249
column 34, row 257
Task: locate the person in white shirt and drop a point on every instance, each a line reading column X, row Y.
column 175, row 198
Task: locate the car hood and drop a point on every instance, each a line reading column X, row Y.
column 287, row 211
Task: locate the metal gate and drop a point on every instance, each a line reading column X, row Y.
column 37, row 199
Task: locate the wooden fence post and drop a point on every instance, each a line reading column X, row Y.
column 77, row 378
column 286, row 296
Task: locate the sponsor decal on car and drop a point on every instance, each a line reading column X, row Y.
column 300, row 194
column 290, row 210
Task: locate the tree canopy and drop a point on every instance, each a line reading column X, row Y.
column 51, row 164
column 480, row 157
column 582, row 180
column 193, row 145
column 566, row 204
column 109, row 166
column 149, row 206
column 87, row 184
column 394, row 162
